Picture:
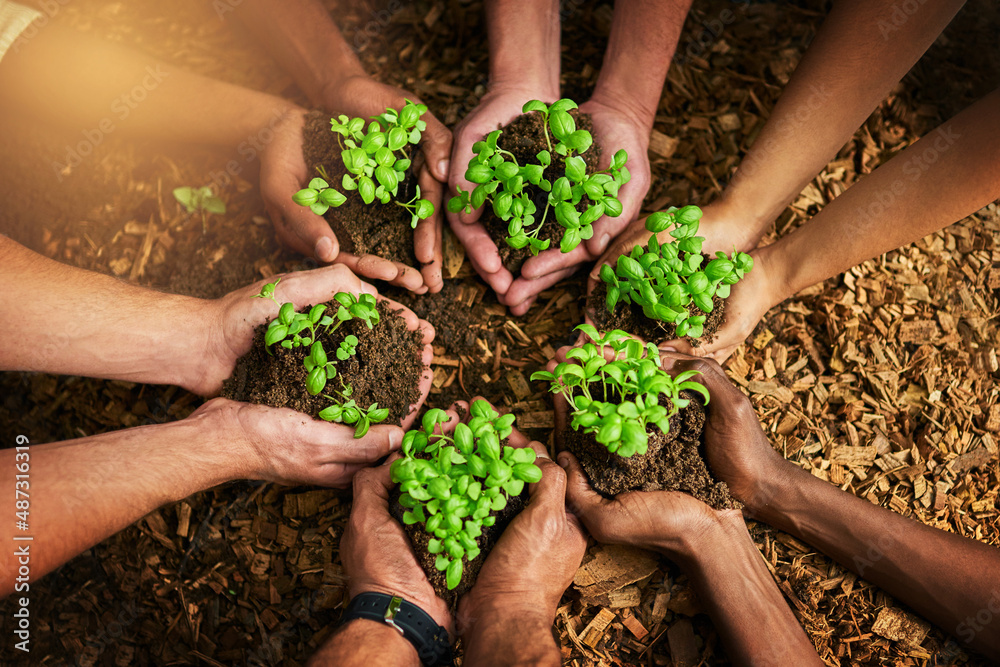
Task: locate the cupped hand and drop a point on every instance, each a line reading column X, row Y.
column 736, row 447
column 288, row 447
column 748, row 302
column 616, row 128
column 497, row 108
column 535, row 559
column 230, row 322
column 668, row 521
column 376, row 553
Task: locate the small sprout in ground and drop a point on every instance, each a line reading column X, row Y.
column 501, row 181
column 202, row 200
column 294, row 330
column 376, row 160
column 665, row 278
column 452, row 484
column 617, row 400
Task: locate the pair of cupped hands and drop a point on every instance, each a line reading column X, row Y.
column 536, row 558
column 441, row 165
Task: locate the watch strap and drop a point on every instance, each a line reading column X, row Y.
column 416, row 625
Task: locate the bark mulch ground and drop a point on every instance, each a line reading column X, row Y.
column 881, row 381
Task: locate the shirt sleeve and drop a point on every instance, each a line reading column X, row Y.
column 14, row 19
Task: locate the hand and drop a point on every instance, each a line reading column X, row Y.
column 616, row 128
column 668, row 521
column 230, row 322
column 736, row 448
column 376, row 553
column 748, row 302
column 283, row 172
column 361, row 96
column 287, row 447
column 497, row 108
column 535, row 559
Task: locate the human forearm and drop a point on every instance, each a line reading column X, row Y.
column 946, row 578
column 524, row 45
column 947, row 175
column 755, row 622
column 82, row 491
column 80, row 81
column 98, row 326
column 860, row 52
column 643, row 39
column 498, row 635
column 302, row 37
column 363, row 643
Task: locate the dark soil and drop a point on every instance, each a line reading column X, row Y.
column 362, row 229
column 630, row 318
column 673, row 461
column 525, row 138
column 386, row 369
column 420, row 538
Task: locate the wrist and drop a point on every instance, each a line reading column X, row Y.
column 634, row 104
column 188, row 350
column 519, row 631
column 711, row 540
column 361, row 643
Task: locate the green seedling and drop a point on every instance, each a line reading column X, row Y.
column 502, row 182
column 202, row 200
column 376, row 161
column 292, row 330
column 666, row 278
column 618, row 399
column 452, row 484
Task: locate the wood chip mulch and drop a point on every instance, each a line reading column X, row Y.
column 881, row 381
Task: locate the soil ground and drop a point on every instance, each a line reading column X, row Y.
column 630, row 318
column 882, row 380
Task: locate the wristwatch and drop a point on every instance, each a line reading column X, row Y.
column 415, row 624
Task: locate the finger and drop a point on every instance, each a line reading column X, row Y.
column 369, row 266
column 481, row 249
column 581, row 499
column 460, row 155
column 427, row 236
column 522, row 292
column 296, row 226
column 436, row 145
column 408, row 278
column 551, row 490
column 423, row 387
column 378, row 442
column 553, row 260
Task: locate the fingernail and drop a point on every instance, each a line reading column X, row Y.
column 324, row 250
column 668, row 348
column 563, row 460
column 443, row 167
column 395, row 439
column 604, row 241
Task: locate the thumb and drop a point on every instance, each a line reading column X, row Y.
column 581, row 499
column 436, row 146
column 377, row 443
column 303, row 231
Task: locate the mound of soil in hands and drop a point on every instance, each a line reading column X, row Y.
column 419, row 538
column 525, row 138
column 362, row 229
column 673, row 461
column 386, row 369
column 630, row 318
